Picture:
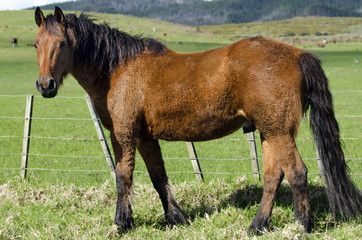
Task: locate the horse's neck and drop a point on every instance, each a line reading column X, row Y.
column 97, row 89
column 95, row 86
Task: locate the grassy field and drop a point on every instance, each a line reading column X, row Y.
column 70, row 202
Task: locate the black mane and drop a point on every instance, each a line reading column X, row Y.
column 100, row 46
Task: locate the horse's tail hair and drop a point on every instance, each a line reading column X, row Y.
column 343, row 196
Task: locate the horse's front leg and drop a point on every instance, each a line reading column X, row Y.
column 151, row 154
column 124, row 151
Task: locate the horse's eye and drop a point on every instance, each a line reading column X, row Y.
column 35, row 45
column 62, row 44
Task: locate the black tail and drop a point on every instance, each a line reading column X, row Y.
column 344, row 198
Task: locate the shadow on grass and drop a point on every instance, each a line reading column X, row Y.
column 248, row 198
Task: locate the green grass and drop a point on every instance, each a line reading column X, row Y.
column 216, row 210
column 80, row 204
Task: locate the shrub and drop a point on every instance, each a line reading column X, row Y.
column 290, row 34
column 304, row 34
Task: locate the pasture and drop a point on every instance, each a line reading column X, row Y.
column 72, row 195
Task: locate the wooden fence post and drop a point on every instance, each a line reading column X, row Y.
column 195, row 161
column 26, row 135
column 102, row 138
column 253, row 155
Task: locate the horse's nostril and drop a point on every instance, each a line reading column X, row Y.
column 51, row 84
column 46, row 86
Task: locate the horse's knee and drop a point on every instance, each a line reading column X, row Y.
column 297, row 176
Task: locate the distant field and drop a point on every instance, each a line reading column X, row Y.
column 308, row 28
column 68, row 203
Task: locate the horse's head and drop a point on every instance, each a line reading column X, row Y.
column 53, row 52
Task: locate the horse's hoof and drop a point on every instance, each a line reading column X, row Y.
column 258, row 227
column 307, row 222
column 256, row 231
column 124, row 225
column 175, row 218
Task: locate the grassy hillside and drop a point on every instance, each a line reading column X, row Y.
column 21, row 25
column 73, row 196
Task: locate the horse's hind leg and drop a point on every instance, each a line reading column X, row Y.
column 281, row 155
column 273, row 175
column 296, row 174
column 151, row 154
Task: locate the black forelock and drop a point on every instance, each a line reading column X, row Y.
column 52, row 25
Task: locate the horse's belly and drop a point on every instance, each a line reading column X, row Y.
column 195, row 129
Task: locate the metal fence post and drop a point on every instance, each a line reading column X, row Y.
column 101, row 137
column 26, row 135
column 253, row 155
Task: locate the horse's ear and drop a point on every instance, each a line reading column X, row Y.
column 39, row 16
column 58, row 15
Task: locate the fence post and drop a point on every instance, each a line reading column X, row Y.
column 26, row 135
column 195, row 161
column 102, row 138
column 253, row 155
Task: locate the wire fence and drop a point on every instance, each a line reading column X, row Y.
column 82, row 138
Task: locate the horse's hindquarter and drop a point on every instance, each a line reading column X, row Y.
column 274, row 100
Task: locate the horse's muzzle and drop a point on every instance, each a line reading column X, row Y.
column 47, row 86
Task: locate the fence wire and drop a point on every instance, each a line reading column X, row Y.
column 145, row 172
column 165, row 158
column 171, row 172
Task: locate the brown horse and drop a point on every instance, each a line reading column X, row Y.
column 144, row 91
